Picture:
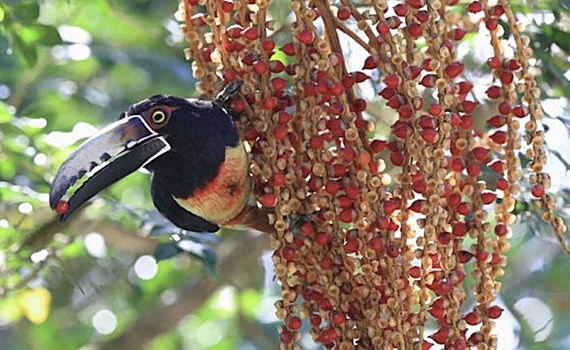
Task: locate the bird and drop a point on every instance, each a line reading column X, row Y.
column 199, row 167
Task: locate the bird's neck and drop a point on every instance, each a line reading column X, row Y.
column 182, row 176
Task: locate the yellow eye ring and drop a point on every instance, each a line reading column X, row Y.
column 158, row 117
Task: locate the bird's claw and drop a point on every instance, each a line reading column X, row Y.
column 228, row 92
column 297, row 223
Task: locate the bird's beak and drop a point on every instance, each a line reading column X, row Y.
column 113, row 153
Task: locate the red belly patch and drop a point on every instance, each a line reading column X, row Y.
column 223, row 198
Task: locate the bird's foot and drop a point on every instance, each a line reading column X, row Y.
column 302, row 225
column 228, row 92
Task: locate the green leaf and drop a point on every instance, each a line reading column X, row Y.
column 5, row 114
column 559, row 37
column 27, row 12
column 28, row 50
column 165, row 251
column 1, row 14
column 40, row 34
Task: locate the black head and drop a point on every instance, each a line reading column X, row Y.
column 198, row 132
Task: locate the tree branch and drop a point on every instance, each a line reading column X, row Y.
column 238, row 254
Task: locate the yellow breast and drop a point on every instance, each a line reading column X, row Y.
column 223, row 198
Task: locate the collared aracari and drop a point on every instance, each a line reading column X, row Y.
column 200, row 171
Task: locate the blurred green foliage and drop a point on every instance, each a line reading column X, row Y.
column 70, row 66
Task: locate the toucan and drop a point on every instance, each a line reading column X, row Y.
column 199, row 168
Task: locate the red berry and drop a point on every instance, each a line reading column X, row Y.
column 288, row 253
column 378, row 145
column 493, row 92
column 519, row 111
column 280, row 132
column 414, row 29
column 237, row 105
column 429, row 135
column 506, row 76
column 494, row 62
column 268, row 200
column 441, row 336
column 286, row 337
column 250, row 134
column 401, row 10
column 416, row 4
column 392, row 80
column 376, row 244
column 288, row 49
column 227, row 6
column 322, row 238
column 459, row 229
column 437, row 313
column 435, row 109
column 405, row 111
column 504, row 108
column 457, row 34
column 306, row 36
column 481, row 153
column 359, row 77
column 234, row 31
column 250, row 33
column 453, row 69
column 276, row 66
column 501, row 230
column 330, row 335
column 370, row 63
column 229, row 74
column 444, row 237
column 61, row 207
column 463, row 208
column 472, row 318
column 497, row 121
column 497, row 166
column 538, row 191
column 315, row 320
column 492, row 24
column 359, row 105
column 338, row 317
column 277, row 180
column 473, row 170
column 502, row 184
column 392, row 205
column 499, row 137
column 267, row 45
column 464, row 256
column 419, row 186
column 497, row 10
column 260, row 67
column 277, row 83
column 487, row 197
column 494, row 312
column 397, row 158
column 294, row 323
column 465, row 87
column 512, row 64
column 474, row 7
column 468, row 106
column 422, row 16
column 343, row 13
column 415, row 272
column 383, row 27
column 269, row 102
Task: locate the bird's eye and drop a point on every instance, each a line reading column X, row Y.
column 158, row 116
